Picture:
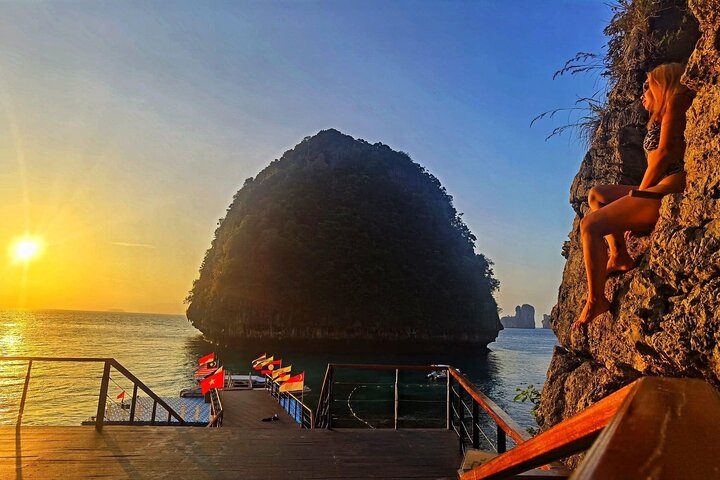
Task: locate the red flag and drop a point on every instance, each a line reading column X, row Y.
column 294, row 384
column 206, row 359
column 270, row 367
column 121, row 394
column 216, row 380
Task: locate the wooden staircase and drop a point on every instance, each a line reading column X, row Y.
column 656, row 428
column 474, row 458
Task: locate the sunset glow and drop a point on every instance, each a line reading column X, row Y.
column 26, row 249
column 126, row 129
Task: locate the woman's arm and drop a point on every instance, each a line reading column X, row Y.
column 672, row 142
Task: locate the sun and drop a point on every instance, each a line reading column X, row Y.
column 25, row 249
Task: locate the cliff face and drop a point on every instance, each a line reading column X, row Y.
column 524, row 317
column 546, row 322
column 343, row 240
column 665, row 315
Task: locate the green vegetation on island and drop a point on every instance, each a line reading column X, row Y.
column 341, row 239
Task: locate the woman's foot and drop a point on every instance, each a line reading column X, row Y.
column 619, row 264
column 592, row 310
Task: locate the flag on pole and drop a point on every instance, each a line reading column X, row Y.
column 259, row 365
column 210, row 357
column 205, row 370
column 279, row 372
column 294, row 384
column 261, row 357
column 269, row 368
column 283, row 377
column 216, row 380
column 121, row 395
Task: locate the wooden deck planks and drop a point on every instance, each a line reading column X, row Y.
column 248, row 453
column 247, row 408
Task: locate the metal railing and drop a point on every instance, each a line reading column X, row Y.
column 216, row 409
column 295, row 407
column 466, row 408
column 464, row 405
column 108, row 364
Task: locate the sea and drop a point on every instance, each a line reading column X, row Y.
column 162, row 351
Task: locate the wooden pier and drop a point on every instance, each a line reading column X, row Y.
column 245, row 447
column 270, row 451
column 653, row 428
column 247, row 408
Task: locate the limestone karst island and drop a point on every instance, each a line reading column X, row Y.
column 335, row 240
column 340, row 239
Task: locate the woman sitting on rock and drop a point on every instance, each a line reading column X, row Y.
column 636, row 208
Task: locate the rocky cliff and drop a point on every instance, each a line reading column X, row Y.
column 343, row 240
column 546, row 322
column 665, row 315
column 524, row 317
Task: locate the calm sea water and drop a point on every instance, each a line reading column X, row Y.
column 162, row 351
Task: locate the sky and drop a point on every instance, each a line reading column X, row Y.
column 126, row 128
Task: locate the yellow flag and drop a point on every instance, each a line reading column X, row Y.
column 281, row 371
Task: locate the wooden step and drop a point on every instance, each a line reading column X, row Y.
column 474, row 457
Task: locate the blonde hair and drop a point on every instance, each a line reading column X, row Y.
column 664, row 82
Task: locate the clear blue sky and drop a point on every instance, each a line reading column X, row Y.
column 154, row 115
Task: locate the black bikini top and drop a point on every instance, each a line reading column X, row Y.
column 652, row 139
column 652, row 142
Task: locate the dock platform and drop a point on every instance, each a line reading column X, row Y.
column 193, row 410
column 247, row 408
column 226, row 453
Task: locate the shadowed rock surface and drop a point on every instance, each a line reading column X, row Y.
column 343, row 240
column 664, row 318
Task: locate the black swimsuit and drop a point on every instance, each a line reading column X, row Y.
column 652, row 142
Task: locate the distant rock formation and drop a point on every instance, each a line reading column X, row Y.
column 340, row 240
column 546, row 321
column 524, row 317
column 665, row 314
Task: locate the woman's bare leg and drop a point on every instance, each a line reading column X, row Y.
column 627, row 213
column 599, row 197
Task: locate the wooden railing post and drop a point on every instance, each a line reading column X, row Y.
column 132, row 405
column 152, row 418
column 24, row 394
column 100, row 416
column 476, row 424
column 397, row 374
column 501, row 440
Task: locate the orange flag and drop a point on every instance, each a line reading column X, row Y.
column 294, row 384
column 216, row 380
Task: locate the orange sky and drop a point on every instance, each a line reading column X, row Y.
column 95, row 256
column 126, row 128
